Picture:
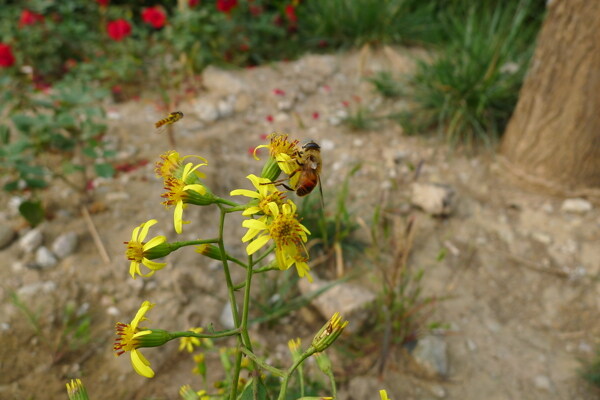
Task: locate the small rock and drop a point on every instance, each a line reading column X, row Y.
column 471, row 345
column 65, row 244
column 285, row 105
column 226, row 317
column 36, row 289
column 542, row 237
column 112, row 197
column 206, row 111
column 7, row 234
column 435, row 199
column 113, row 311
column 327, row 145
column 437, row 390
column 351, row 301
column 542, row 382
column 225, row 106
column 576, row 206
column 430, row 354
column 31, row 240
column 44, row 258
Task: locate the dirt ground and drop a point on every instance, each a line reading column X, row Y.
column 520, row 276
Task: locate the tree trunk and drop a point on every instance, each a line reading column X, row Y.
column 553, row 136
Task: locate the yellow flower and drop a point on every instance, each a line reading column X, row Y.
column 265, row 193
column 383, row 395
column 137, row 250
column 284, row 228
column 300, row 261
column 188, row 343
column 283, row 150
column 180, row 192
column 128, row 339
column 76, row 390
column 329, row 332
column 187, row 393
column 170, row 165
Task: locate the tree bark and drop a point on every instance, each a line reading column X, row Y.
column 554, row 133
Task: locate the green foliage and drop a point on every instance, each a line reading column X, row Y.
column 402, row 309
column 360, row 118
column 348, row 23
column 385, row 84
column 469, row 90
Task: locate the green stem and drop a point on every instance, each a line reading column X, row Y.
column 233, row 303
column 332, row 381
column 284, row 384
column 236, row 261
column 266, row 253
column 261, row 363
column 215, row 335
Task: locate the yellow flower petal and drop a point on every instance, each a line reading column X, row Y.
column 251, row 210
column 153, row 264
column 140, row 364
column 245, row 192
column 256, row 244
column 145, row 227
column 178, row 217
column 254, row 224
column 196, row 188
column 250, row 234
column 155, row 241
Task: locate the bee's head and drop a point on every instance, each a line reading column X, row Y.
column 311, row 145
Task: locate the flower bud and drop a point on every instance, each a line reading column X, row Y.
column 294, row 346
column 210, row 251
column 329, row 332
column 76, row 390
column 271, row 170
column 324, row 363
column 198, row 199
column 154, row 338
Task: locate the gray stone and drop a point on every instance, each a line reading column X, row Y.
column 226, row 106
column 431, row 355
column 7, row 234
column 65, row 244
column 206, row 111
column 36, row 289
column 31, row 240
column 44, row 258
column 434, row 198
column 542, row 382
column 350, row 300
column 576, row 206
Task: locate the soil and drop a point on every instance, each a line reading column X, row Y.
column 519, row 279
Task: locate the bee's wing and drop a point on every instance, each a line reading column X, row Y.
column 162, row 129
column 321, row 193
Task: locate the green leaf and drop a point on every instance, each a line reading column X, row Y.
column 10, row 186
column 105, row 170
column 4, row 134
column 247, row 393
column 69, row 168
column 33, row 183
column 32, row 211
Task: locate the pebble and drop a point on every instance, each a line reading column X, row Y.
column 576, row 206
column 113, row 311
column 435, row 199
column 36, row 288
column 7, row 234
column 542, row 382
column 31, row 240
column 327, row 145
column 65, row 244
column 206, row 111
column 350, row 300
column 44, row 258
column 431, row 355
column 226, row 106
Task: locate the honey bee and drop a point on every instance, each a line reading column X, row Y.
column 170, row 119
column 309, row 171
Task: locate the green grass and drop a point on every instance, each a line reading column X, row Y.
column 348, row 23
column 469, row 90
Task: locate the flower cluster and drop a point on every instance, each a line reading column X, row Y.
column 118, row 29
column 7, row 59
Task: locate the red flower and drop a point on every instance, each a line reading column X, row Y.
column 30, row 18
column 225, row 6
column 154, row 16
column 315, row 115
column 278, row 92
column 290, row 12
column 270, row 118
column 193, row 3
column 103, row 3
column 7, row 59
column 119, row 29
